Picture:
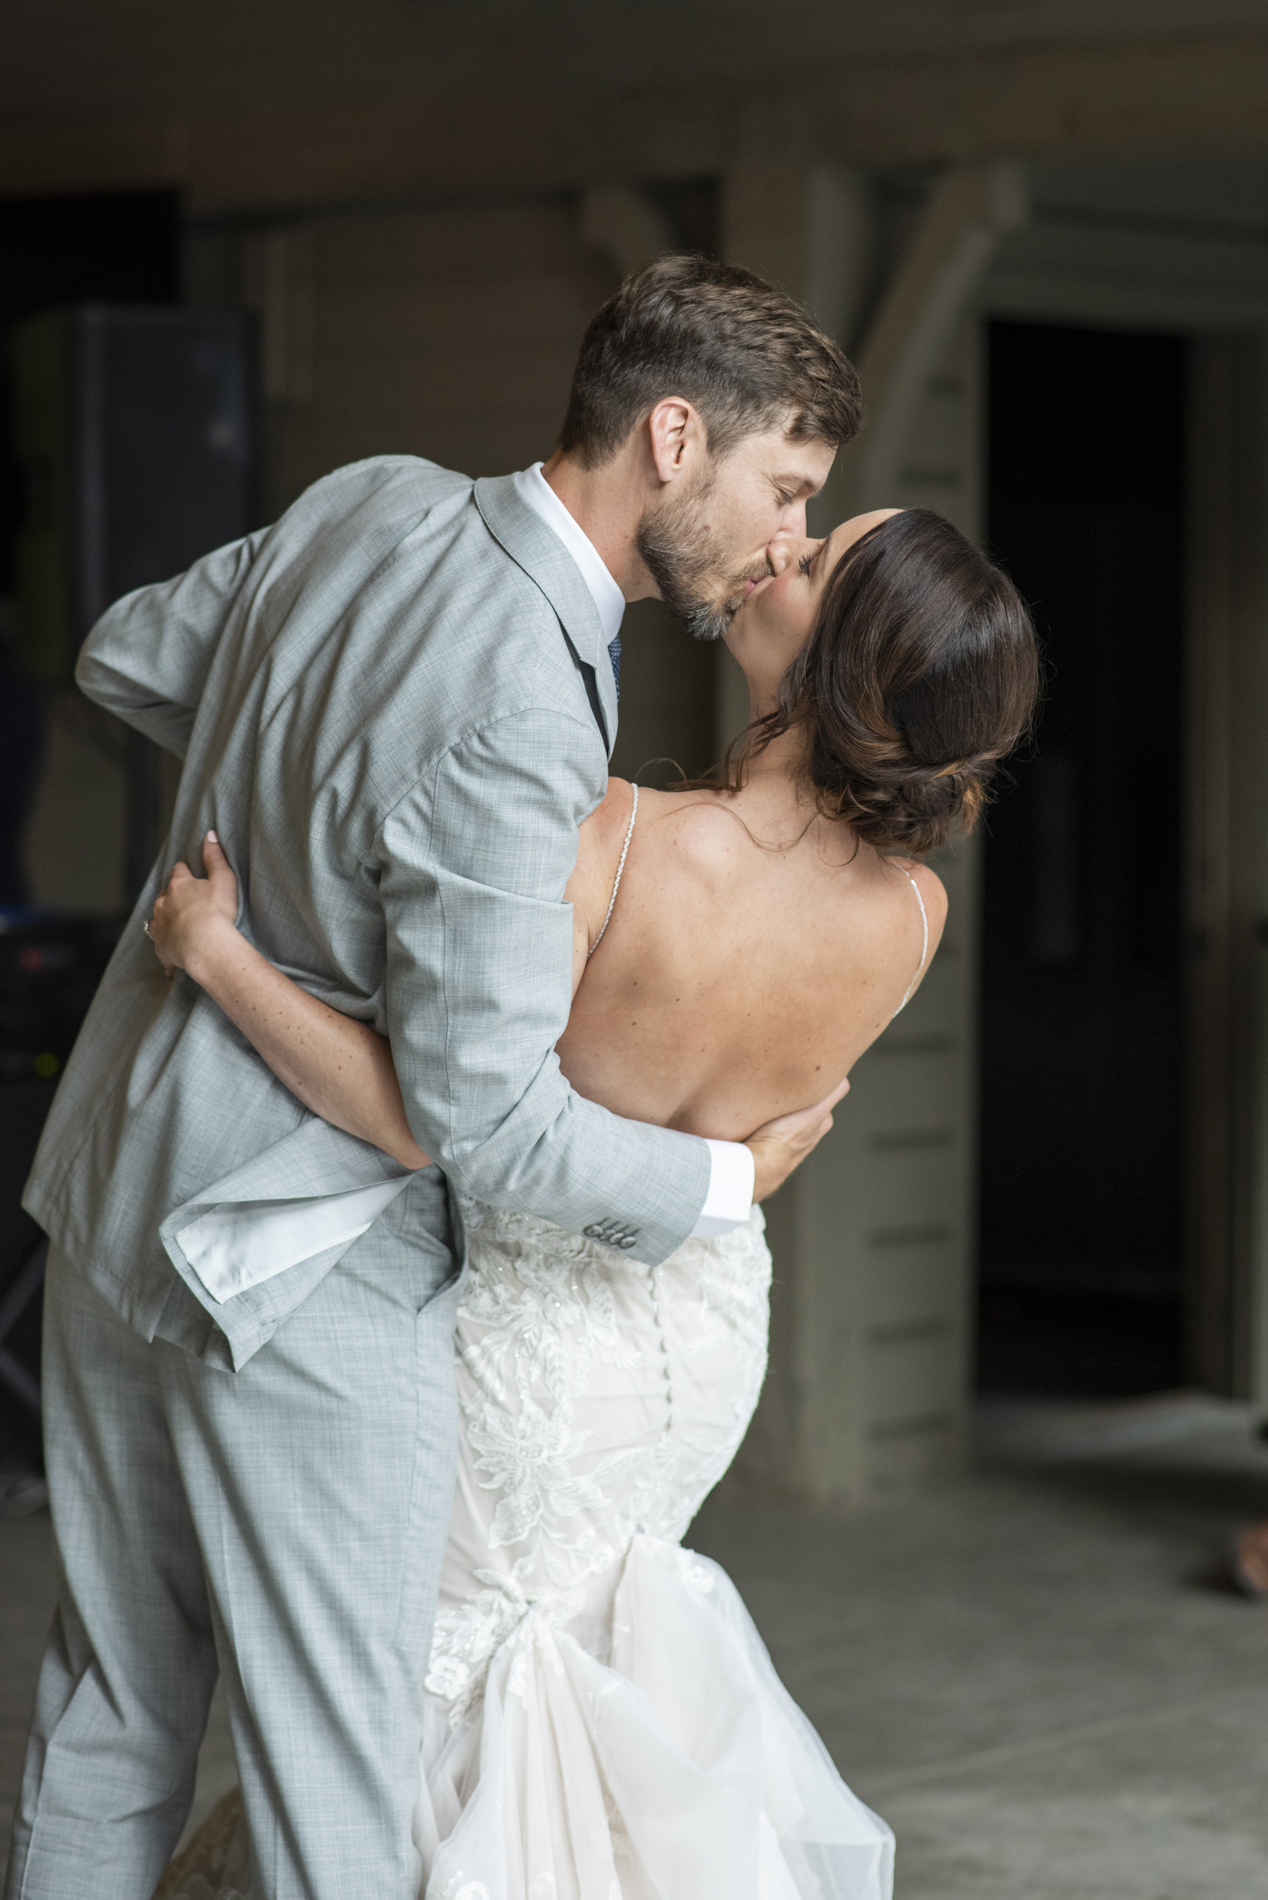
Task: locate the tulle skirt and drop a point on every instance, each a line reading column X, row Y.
column 677, row 1768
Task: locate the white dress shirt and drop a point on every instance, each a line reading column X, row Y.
column 607, row 596
column 730, row 1193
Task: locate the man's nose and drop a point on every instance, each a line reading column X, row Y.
column 787, row 548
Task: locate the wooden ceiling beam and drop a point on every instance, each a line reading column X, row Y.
column 1204, row 95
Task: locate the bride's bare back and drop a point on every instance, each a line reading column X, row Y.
column 753, row 953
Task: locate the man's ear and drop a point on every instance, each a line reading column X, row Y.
column 677, row 436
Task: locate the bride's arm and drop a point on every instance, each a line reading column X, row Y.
column 339, row 1068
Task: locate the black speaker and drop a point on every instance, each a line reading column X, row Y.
column 136, row 429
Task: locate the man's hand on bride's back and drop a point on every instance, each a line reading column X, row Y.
column 778, row 1146
column 194, row 914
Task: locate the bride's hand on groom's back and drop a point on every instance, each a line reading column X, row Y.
column 195, row 912
column 778, row 1146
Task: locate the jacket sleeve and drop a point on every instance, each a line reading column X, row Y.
column 148, row 657
column 478, row 988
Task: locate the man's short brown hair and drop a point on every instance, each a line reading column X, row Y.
column 742, row 351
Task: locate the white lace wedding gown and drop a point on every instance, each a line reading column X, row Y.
column 601, row 1718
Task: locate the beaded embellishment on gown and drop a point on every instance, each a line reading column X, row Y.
column 601, row 1719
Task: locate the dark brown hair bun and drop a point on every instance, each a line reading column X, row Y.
column 921, row 672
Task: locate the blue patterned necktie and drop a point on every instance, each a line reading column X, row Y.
column 614, row 654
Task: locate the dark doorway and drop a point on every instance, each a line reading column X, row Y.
column 1082, row 1085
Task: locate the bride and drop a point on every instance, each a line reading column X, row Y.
column 600, row 1719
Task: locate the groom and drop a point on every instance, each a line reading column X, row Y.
column 396, row 707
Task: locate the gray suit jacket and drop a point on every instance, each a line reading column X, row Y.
column 395, row 707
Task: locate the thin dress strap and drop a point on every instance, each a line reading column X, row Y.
column 924, row 948
column 629, row 833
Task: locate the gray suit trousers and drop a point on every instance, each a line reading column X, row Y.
column 282, row 1526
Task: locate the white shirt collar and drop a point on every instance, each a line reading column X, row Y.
column 542, row 499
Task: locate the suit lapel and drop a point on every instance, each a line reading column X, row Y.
column 531, row 545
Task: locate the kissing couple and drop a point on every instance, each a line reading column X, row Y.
column 469, row 1042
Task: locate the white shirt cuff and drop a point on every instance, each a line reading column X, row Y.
column 730, row 1193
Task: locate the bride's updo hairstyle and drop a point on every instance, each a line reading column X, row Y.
column 921, row 672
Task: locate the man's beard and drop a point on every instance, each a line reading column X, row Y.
column 681, row 553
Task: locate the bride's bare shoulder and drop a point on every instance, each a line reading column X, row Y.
column 677, row 835
column 697, row 830
column 599, row 844
column 608, row 821
column 933, row 893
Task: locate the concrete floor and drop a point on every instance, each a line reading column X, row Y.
column 1037, row 1675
